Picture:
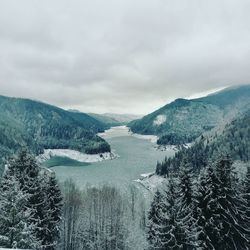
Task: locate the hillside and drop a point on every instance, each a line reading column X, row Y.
column 111, row 119
column 234, row 140
column 184, row 120
column 39, row 126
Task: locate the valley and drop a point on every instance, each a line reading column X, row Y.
column 124, row 125
column 145, row 175
column 136, row 156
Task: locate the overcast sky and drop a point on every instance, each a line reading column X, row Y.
column 122, row 56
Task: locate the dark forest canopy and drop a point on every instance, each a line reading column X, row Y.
column 40, row 126
column 209, row 211
column 182, row 121
column 233, row 140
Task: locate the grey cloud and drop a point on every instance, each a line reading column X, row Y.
column 124, row 56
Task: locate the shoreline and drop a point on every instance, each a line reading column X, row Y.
column 75, row 155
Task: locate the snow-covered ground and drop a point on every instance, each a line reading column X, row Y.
column 75, row 155
column 160, row 119
column 151, row 181
column 173, row 147
column 240, row 168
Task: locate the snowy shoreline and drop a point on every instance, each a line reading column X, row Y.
column 75, row 155
column 119, row 131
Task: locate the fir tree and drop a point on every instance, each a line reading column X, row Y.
column 173, row 232
column 208, row 224
column 246, row 195
column 26, row 170
column 233, row 233
column 186, row 204
column 164, row 229
column 52, row 213
column 15, row 230
column 44, row 199
column 155, row 221
column 246, row 198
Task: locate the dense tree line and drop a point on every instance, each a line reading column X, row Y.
column 102, row 219
column 40, row 126
column 184, row 120
column 210, row 211
column 30, row 205
column 175, row 139
column 234, row 140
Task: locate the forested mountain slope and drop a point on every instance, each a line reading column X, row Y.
column 38, row 126
column 184, row 120
column 234, row 140
column 111, row 119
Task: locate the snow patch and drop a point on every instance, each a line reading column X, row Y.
column 75, row 155
column 146, row 175
column 173, row 147
column 160, row 119
column 151, row 181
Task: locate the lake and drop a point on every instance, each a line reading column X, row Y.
column 137, row 156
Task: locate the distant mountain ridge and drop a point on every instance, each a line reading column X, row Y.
column 184, row 120
column 111, row 119
column 39, row 126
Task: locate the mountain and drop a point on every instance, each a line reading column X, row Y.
column 184, row 120
column 111, row 119
column 39, row 126
column 233, row 140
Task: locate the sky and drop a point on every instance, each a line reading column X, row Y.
column 121, row 56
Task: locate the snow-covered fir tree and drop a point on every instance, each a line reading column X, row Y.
column 185, row 204
column 52, row 213
column 26, row 170
column 156, row 217
column 16, row 231
column 164, row 228
column 43, row 199
column 232, row 233
column 208, row 224
column 246, row 198
column 173, row 232
column 220, row 219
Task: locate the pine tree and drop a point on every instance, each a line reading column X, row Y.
column 186, row 204
column 164, row 229
column 246, row 192
column 246, row 198
column 44, row 199
column 155, row 221
column 233, row 234
column 26, row 170
column 173, row 232
column 208, row 224
column 15, row 230
column 52, row 213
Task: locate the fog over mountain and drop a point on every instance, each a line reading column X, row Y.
column 121, row 56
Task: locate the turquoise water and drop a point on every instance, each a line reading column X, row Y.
column 136, row 156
